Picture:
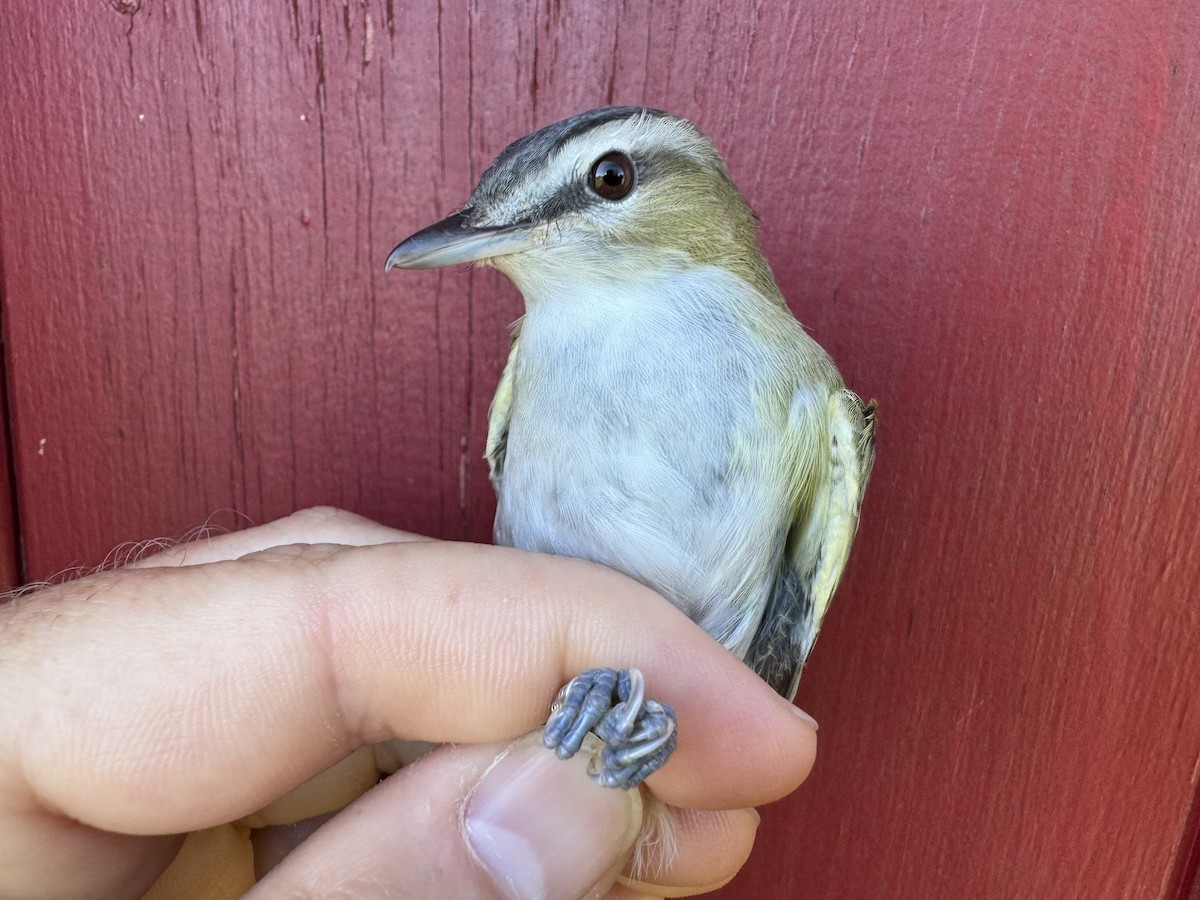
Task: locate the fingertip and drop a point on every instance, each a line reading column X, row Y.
column 540, row 827
column 726, row 714
column 474, row 821
column 802, row 744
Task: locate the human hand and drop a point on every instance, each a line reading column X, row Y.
column 203, row 684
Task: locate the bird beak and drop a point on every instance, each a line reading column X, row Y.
column 453, row 240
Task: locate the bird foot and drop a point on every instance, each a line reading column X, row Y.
column 638, row 733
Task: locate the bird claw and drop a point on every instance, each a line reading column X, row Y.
column 639, row 734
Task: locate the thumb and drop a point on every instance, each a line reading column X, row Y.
column 471, row 821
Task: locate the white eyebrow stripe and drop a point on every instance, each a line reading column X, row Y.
column 636, row 136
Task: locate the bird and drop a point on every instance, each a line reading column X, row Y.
column 661, row 411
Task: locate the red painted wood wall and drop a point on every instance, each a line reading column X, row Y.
column 990, row 214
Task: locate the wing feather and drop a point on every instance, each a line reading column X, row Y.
column 817, row 547
column 500, row 413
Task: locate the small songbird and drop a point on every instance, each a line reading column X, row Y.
column 662, row 411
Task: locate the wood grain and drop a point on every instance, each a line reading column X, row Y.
column 989, row 214
column 10, row 565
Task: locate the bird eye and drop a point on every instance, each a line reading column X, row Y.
column 612, row 176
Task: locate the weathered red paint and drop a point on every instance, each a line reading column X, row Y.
column 989, row 214
column 10, row 568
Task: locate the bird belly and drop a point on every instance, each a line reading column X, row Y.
column 630, row 462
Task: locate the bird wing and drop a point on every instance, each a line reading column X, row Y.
column 817, row 547
column 500, row 414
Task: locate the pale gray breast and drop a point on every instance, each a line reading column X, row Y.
column 620, row 443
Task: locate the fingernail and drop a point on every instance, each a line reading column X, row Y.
column 801, row 714
column 542, row 828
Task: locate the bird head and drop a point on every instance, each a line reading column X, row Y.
column 610, row 194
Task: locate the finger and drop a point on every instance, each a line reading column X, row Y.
column 322, row 649
column 318, row 525
column 461, row 820
column 45, row 855
column 273, row 844
column 709, row 849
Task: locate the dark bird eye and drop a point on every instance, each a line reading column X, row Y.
column 612, row 176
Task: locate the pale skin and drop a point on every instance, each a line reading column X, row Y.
column 201, row 684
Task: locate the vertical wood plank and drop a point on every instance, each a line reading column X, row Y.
column 10, row 537
column 990, row 216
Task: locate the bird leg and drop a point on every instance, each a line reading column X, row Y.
column 638, row 733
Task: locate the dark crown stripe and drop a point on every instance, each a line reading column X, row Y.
column 539, row 144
